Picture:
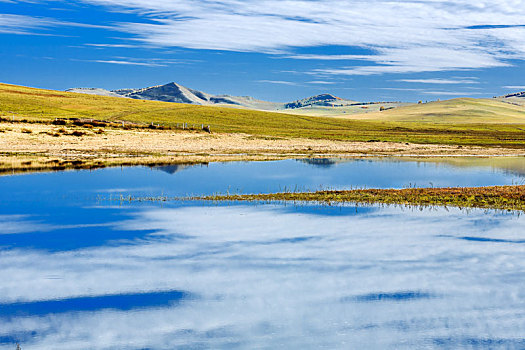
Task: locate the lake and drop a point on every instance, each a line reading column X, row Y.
column 81, row 269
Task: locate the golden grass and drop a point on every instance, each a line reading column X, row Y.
column 458, row 110
column 499, row 125
column 495, row 197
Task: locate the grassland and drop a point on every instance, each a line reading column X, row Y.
column 496, row 197
column 456, row 122
column 456, row 111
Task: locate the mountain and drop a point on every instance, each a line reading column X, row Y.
column 318, row 105
column 173, row 92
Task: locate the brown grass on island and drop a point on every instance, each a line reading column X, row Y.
column 495, row 197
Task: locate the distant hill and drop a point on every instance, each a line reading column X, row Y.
column 318, row 105
column 458, row 110
column 325, row 100
column 517, row 98
column 173, row 92
column 517, row 94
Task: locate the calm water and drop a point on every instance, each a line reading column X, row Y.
column 80, row 271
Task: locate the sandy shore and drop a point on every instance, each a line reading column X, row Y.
column 39, row 146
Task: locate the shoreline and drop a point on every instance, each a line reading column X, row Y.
column 45, row 147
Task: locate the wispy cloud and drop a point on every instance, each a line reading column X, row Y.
column 330, row 57
column 398, row 89
column 112, row 45
column 515, row 87
column 131, row 61
column 279, row 82
column 321, row 82
column 420, row 59
column 440, row 81
column 399, row 36
column 148, row 64
column 17, row 24
column 451, row 93
column 30, row 25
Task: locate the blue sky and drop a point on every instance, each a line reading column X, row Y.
column 277, row 50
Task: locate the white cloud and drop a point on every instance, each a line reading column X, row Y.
column 321, row 82
column 130, row 63
column 112, row 45
column 420, row 59
column 451, row 93
column 398, row 89
column 330, row 57
column 402, row 36
column 17, row 24
column 29, row 25
column 515, row 87
column 279, row 82
column 440, row 81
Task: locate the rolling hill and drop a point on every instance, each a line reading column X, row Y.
column 458, row 122
column 459, row 110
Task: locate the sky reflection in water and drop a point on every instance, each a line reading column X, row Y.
column 80, row 274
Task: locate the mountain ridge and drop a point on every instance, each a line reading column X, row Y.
column 174, row 92
column 325, row 104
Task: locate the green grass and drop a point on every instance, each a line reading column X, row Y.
column 495, row 197
column 475, row 122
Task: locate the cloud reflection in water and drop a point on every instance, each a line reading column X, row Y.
column 271, row 277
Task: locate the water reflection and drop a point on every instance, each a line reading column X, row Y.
column 79, row 272
column 46, row 192
column 268, row 276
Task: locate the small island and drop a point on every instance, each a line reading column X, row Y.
column 510, row 198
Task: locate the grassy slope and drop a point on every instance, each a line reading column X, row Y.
column 461, row 126
column 458, row 110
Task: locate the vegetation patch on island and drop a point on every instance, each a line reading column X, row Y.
column 494, row 197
